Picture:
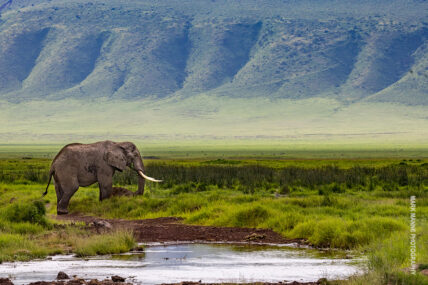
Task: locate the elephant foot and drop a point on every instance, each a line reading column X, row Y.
column 61, row 212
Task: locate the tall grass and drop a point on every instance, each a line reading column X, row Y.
column 256, row 176
column 19, row 247
column 348, row 221
column 245, row 177
column 362, row 208
column 116, row 242
column 18, row 223
column 32, row 212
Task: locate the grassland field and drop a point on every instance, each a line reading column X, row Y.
column 358, row 202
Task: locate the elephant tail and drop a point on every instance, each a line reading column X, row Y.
column 51, row 172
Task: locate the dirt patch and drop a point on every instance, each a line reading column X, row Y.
column 254, row 283
column 119, row 191
column 5, row 281
column 171, row 229
column 120, row 281
column 78, row 281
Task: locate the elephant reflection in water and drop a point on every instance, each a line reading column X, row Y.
column 84, row 164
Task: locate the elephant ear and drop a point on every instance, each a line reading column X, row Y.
column 115, row 157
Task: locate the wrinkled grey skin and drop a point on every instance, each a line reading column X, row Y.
column 84, row 164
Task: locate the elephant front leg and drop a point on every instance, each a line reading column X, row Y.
column 106, row 186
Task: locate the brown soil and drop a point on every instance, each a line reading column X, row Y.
column 110, row 282
column 78, row 281
column 321, row 282
column 171, row 229
column 119, row 191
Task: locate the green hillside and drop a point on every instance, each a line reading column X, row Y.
column 214, row 68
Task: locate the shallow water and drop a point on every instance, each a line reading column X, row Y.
column 192, row 262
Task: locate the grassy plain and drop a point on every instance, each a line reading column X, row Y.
column 359, row 203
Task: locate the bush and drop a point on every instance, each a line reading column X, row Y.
column 284, row 190
column 285, row 222
column 33, row 212
column 250, row 216
column 326, row 233
column 328, row 201
column 303, row 230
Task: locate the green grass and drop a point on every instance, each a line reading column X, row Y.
column 19, row 247
column 27, row 233
column 359, row 207
column 269, row 151
column 351, row 220
column 116, row 242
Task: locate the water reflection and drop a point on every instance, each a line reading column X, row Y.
column 193, row 262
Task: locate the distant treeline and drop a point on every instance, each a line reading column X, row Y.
column 252, row 177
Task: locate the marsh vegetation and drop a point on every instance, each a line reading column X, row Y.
column 357, row 205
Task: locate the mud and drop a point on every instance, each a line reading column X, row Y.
column 75, row 281
column 119, row 191
column 171, row 229
column 319, row 282
column 78, row 281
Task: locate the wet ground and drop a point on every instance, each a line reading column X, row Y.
column 171, row 229
column 206, row 263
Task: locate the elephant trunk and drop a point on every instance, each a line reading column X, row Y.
column 139, row 166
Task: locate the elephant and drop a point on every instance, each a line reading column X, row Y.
column 79, row 164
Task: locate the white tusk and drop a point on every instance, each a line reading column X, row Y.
column 148, row 177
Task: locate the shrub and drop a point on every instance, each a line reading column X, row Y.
column 328, row 201
column 250, row 216
column 336, row 188
column 33, row 212
column 326, row 232
column 284, row 190
column 303, row 230
column 285, row 222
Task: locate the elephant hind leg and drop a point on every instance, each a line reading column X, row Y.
column 105, row 183
column 68, row 190
column 59, row 193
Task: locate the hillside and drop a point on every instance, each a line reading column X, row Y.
column 164, row 52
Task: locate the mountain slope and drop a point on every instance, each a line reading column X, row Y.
column 80, row 49
column 342, row 71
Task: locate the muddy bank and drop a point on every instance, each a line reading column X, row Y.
column 75, row 281
column 320, row 282
column 78, row 281
column 171, row 229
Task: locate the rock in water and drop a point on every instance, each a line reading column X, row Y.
column 117, row 278
column 254, row 237
column 62, row 275
column 102, row 224
column 5, row 281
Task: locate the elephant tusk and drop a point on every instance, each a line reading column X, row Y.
column 148, row 177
